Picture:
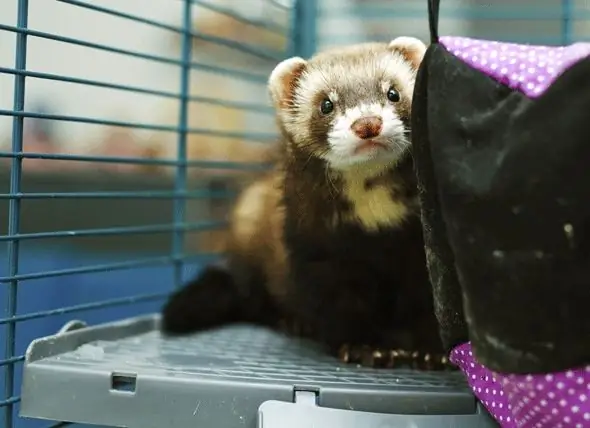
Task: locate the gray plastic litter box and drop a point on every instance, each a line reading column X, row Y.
column 124, row 374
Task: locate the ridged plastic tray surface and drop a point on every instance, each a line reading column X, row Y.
column 127, row 374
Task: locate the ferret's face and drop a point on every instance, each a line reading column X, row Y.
column 351, row 105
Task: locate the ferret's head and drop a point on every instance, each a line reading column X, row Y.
column 348, row 105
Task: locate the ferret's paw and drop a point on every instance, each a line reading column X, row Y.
column 377, row 357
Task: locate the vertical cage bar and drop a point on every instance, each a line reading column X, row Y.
column 303, row 28
column 14, row 204
column 566, row 22
column 181, row 168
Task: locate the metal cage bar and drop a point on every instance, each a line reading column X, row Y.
column 180, row 180
column 304, row 29
column 14, row 211
column 249, row 136
column 149, row 57
column 178, row 196
column 177, row 258
column 567, row 22
column 139, row 90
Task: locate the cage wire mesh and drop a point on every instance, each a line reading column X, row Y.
column 127, row 128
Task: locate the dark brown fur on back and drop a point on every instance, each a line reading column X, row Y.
column 353, row 286
column 334, row 255
column 328, row 280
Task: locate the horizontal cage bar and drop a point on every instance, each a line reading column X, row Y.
column 86, row 306
column 9, row 401
column 260, row 108
column 12, row 360
column 140, row 161
column 221, row 41
column 147, row 194
column 149, row 57
column 248, row 136
column 118, row 231
column 144, row 262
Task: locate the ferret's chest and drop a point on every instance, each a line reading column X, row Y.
column 373, row 206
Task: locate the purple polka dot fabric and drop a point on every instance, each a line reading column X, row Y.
column 553, row 400
column 530, row 69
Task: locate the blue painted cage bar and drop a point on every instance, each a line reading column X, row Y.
column 14, row 210
column 178, row 197
column 306, row 18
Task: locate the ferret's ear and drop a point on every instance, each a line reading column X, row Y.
column 283, row 80
column 411, row 48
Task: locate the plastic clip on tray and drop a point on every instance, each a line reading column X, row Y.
column 126, row 374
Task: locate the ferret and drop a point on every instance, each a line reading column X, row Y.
column 328, row 245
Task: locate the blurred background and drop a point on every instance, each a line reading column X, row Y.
column 100, row 222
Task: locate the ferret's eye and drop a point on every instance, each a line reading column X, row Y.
column 326, row 106
column 393, row 95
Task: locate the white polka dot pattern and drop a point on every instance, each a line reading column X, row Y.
column 530, row 69
column 555, row 400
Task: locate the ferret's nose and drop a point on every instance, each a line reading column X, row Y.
column 367, row 127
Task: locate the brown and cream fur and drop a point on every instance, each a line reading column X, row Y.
column 330, row 241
